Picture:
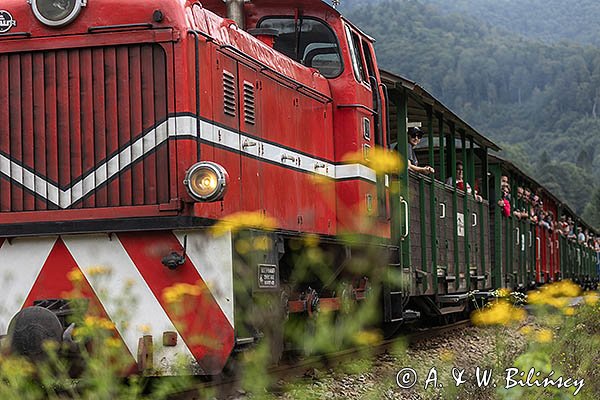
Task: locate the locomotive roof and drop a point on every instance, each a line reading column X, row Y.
column 423, row 97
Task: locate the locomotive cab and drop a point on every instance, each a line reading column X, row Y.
column 315, row 35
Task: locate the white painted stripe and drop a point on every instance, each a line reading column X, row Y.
column 21, row 261
column 213, row 258
column 355, row 171
column 173, row 127
column 127, row 292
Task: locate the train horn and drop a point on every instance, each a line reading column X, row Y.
column 235, row 12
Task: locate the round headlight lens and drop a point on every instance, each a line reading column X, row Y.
column 56, row 12
column 206, row 181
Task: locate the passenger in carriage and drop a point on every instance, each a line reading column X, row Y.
column 414, row 137
column 571, row 234
column 564, row 226
column 460, row 182
column 521, row 212
column 504, row 202
column 580, row 235
column 591, row 241
column 527, row 194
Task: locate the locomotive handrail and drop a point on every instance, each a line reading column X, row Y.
column 320, row 165
column 530, row 239
column 518, row 235
column 142, row 25
column 283, row 78
column 203, row 34
column 249, row 143
column 406, row 219
column 357, row 106
column 16, row 34
column 197, row 80
column 539, row 245
column 474, row 215
column 377, row 104
column 443, row 216
column 386, row 97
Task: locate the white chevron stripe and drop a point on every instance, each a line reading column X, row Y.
column 141, row 307
column 21, row 261
column 212, row 256
column 173, row 127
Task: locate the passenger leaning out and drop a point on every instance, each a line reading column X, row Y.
column 460, row 182
column 414, row 138
column 504, row 202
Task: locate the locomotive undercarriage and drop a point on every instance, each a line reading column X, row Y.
column 323, row 284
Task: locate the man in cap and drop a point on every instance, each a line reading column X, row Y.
column 414, row 137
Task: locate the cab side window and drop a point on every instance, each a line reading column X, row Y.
column 308, row 41
column 368, row 59
column 355, row 55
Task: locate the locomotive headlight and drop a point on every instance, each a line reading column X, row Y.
column 56, row 12
column 206, row 181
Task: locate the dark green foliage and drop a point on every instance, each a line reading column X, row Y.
column 592, row 211
column 548, row 20
column 537, row 96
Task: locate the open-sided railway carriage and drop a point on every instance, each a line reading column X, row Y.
column 525, row 253
column 125, row 136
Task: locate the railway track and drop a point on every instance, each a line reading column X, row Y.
column 223, row 388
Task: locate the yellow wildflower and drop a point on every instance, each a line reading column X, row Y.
column 569, row 311
column 262, row 243
column 98, row 323
column 556, row 294
column 311, row 240
column 243, row 220
column 242, row 246
column 503, row 292
column 499, row 313
column 544, row 336
column 381, row 160
column 177, row 292
column 526, row 330
column 591, row 298
column 144, row 328
column 112, row 343
column 367, row 338
column 99, row 270
column 16, row 367
column 75, row 275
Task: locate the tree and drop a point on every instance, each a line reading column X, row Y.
column 591, row 214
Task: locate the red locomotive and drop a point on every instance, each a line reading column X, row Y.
column 129, row 129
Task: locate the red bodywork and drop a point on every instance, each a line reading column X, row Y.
column 101, row 119
column 547, row 246
column 90, row 118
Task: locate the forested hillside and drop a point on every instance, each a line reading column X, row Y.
column 549, row 20
column 540, row 101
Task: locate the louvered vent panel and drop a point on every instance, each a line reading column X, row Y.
column 71, row 127
column 249, row 108
column 229, row 103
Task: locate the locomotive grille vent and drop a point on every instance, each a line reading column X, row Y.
column 249, row 110
column 229, row 103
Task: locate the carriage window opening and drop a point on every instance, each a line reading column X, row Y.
column 307, row 41
column 357, row 65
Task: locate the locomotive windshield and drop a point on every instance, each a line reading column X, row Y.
column 309, row 41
